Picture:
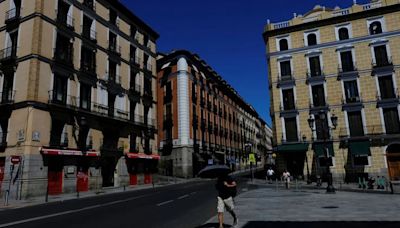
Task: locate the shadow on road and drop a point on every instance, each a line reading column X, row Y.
column 259, row 224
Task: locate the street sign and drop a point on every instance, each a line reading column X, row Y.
column 252, row 158
column 15, row 159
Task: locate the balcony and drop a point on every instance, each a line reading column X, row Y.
column 151, row 122
column 380, row 66
column 137, row 119
column 289, row 110
column 347, row 72
column 114, row 78
column 353, row 103
column 88, row 68
column 101, row 109
column 63, row 99
column 315, row 76
column 64, row 55
column 121, row 114
column 7, row 97
column 12, row 15
column 134, row 92
column 392, row 100
column 8, row 54
column 315, row 107
column 286, row 80
column 135, row 61
column 115, row 49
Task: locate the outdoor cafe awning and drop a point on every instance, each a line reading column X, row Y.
column 292, row 148
column 68, row 152
column 360, row 148
column 143, row 156
column 319, row 149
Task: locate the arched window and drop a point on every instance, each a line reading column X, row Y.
column 375, row 28
column 283, row 45
column 343, row 34
column 312, row 39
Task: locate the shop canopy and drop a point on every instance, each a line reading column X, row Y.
column 360, row 148
column 319, row 149
column 292, row 148
column 143, row 156
column 68, row 152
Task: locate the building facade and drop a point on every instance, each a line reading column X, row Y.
column 203, row 120
column 78, row 100
column 334, row 79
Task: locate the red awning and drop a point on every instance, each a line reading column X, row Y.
column 143, row 156
column 59, row 152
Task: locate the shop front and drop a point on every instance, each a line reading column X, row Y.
column 141, row 167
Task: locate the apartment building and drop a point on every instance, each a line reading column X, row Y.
column 203, row 120
column 78, row 100
column 334, row 79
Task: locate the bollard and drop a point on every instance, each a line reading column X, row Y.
column 6, row 200
column 47, row 194
column 124, row 188
column 391, row 188
column 297, row 188
column 276, row 181
column 77, row 193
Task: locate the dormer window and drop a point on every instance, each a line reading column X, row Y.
column 283, row 45
column 375, row 28
column 311, row 39
column 343, row 33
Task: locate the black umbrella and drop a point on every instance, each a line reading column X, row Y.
column 214, row 171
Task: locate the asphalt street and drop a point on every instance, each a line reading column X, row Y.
column 182, row 205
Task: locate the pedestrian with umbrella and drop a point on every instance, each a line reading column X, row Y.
column 226, row 187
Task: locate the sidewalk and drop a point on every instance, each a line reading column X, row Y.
column 162, row 181
column 299, row 185
column 266, row 204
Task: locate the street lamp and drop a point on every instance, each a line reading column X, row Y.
column 325, row 131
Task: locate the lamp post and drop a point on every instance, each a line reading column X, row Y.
column 325, row 131
column 308, row 170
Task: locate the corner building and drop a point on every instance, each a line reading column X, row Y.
column 203, row 120
column 339, row 65
column 78, row 100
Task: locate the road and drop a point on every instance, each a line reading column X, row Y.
column 182, row 205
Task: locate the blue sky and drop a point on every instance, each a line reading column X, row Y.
column 227, row 34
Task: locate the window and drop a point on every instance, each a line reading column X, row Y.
column 87, row 28
column 283, row 45
column 60, row 89
column 315, row 66
column 346, row 59
column 7, row 92
column 311, row 39
column 113, row 17
column 375, row 28
column 112, row 71
column 133, row 31
column 286, row 70
column 343, row 33
column 391, row 117
column 386, row 87
column 321, row 127
column 351, row 91
column 291, row 129
column 88, row 60
column 112, row 42
column 85, row 96
column 64, row 13
column 288, row 99
column 318, row 95
column 133, row 54
column 64, row 49
column 381, row 56
column 355, row 124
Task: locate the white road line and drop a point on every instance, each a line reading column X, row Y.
column 69, row 212
column 192, row 193
column 166, row 202
column 183, row 197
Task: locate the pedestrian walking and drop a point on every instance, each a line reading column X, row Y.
column 286, row 178
column 270, row 174
column 226, row 187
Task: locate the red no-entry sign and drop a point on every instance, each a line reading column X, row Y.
column 15, row 159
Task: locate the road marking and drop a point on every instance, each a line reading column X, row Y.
column 70, row 211
column 166, row 202
column 192, row 193
column 183, row 197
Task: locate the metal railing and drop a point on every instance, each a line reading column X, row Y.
column 347, row 68
column 288, row 107
column 7, row 97
column 115, row 78
column 353, row 99
column 12, row 14
column 137, row 119
column 100, row 109
column 396, row 95
column 122, row 114
column 382, row 62
column 114, row 48
column 8, row 53
column 285, row 77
